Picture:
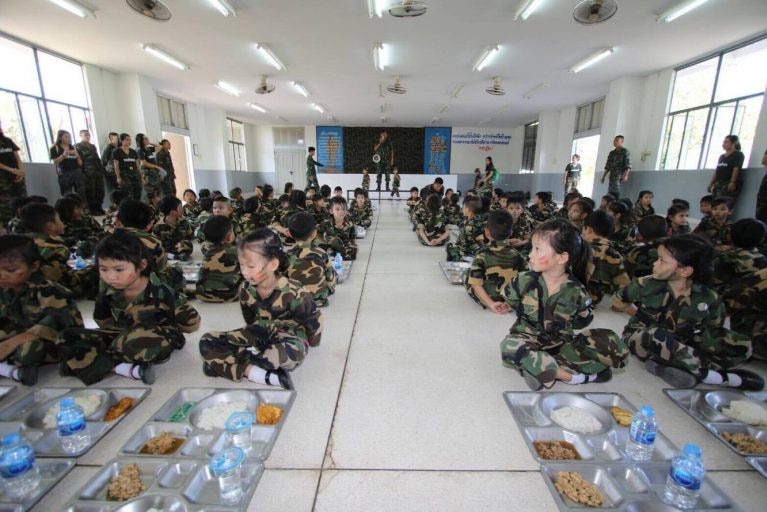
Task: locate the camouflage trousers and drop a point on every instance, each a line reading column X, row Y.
column 270, row 346
column 35, row 353
column 615, row 183
column 181, row 247
column 336, row 245
column 152, row 182
column 169, row 185
column 94, row 190
column 591, row 351
column 433, row 237
column 383, row 170
column 696, row 355
column 93, row 353
column 720, row 190
column 5, row 211
column 132, row 186
column 452, row 250
column 311, row 181
column 761, row 200
column 571, row 183
column 755, row 327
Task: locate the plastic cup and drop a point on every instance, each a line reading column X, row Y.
column 239, row 427
column 226, row 465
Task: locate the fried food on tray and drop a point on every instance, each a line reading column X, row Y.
column 126, row 485
column 556, row 450
column 622, row 416
column 120, row 408
column 268, row 414
column 162, row 444
column 744, row 442
column 572, row 485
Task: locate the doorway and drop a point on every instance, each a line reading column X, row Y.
column 290, row 165
column 180, row 152
column 587, row 148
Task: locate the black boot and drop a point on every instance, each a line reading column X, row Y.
column 751, row 381
column 284, row 377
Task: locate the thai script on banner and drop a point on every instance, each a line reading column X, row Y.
column 330, row 149
column 481, row 139
column 436, row 159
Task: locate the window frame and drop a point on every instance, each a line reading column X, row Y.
column 529, row 143
column 239, row 156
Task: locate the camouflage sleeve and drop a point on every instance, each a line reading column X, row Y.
column 624, row 297
column 306, row 313
column 102, row 312
column 620, row 276
column 187, row 318
column 57, row 311
column 584, row 311
column 513, row 298
column 477, row 271
column 246, row 302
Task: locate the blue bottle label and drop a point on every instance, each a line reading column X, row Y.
column 646, row 437
column 685, row 479
column 73, row 427
column 18, row 467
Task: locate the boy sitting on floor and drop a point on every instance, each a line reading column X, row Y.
column 309, row 264
column 174, row 231
column 220, row 276
column 606, row 271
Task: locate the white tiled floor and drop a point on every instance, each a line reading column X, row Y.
column 401, row 406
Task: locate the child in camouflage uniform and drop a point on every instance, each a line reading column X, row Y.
column 365, row 179
column 110, row 216
column 740, row 278
column 282, row 320
column 395, row 181
column 141, row 320
column 716, row 228
column 543, row 208
column 206, row 211
column 33, row 311
column 361, row 212
column 296, row 203
column 81, row 233
column 677, row 323
column 551, row 302
column 622, row 236
column 577, row 213
column 470, row 237
column 650, row 231
column 320, row 209
column 251, row 219
column 643, row 207
column 220, row 276
column 309, row 264
column 191, row 207
column 338, row 233
column 235, row 199
column 495, row 265
column 676, row 218
column 432, row 225
column 174, row 231
column 14, row 225
column 606, row 270
column 522, row 228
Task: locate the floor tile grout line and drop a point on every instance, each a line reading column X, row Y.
column 346, row 360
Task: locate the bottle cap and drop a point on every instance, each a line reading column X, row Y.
column 67, row 401
column 239, row 420
column 692, row 449
column 226, row 460
column 11, row 438
column 647, row 410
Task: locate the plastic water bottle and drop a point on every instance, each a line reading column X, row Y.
column 641, row 440
column 338, row 262
column 73, row 429
column 685, row 478
column 80, row 263
column 18, row 467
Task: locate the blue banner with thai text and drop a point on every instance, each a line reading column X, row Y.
column 330, row 149
column 436, row 156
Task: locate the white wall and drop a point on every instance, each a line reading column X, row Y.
column 264, row 148
column 207, row 129
column 464, row 158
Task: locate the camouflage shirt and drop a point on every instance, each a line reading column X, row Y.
column 640, row 259
column 192, row 211
column 16, row 227
column 41, row 308
column 434, row 225
column 641, row 212
column 716, row 233
column 109, row 219
column 54, row 254
column 553, row 318
column 395, row 181
column 289, row 303
column 199, row 222
column 606, row 270
column 543, row 213
column 237, row 206
column 84, row 229
column 153, row 246
column 736, row 272
column 220, row 277
column 470, row 237
column 156, row 305
column 251, row 222
column 523, row 227
column 174, row 239
column 622, row 239
column 493, row 268
column 268, row 209
column 311, row 266
column 320, row 215
column 361, row 215
column 365, row 181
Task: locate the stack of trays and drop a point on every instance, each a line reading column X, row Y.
column 623, row 483
column 191, row 269
column 343, row 274
column 705, row 407
column 28, row 414
column 52, row 471
column 454, row 270
column 182, row 479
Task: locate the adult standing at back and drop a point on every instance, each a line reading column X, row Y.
column 385, row 152
column 618, row 166
column 108, row 163
column 165, row 161
column 572, row 174
column 727, row 180
column 487, row 181
column 11, row 177
column 127, row 168
column 761, row 196
column 68, row 165
column 311, row 170
column 151, row 171
column 93, row 173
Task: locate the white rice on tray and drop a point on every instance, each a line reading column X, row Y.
column 576, row 420
column 215, row 417
column 89, row 403
column 746, row 411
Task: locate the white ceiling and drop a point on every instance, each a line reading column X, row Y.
column 328, row 45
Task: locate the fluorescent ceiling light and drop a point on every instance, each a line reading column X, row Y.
column 444, row 108
column 535, row 90
column 300, row 89
column 319, row 108
column 526, row 8
column 281, row 119
column 269, row 55
column 223, row 7
column 680, row 10
column 74, row 7
column 256, row 106
column 227, row 88
column 590, row 61
column 378, row 56
column 457, row 90
column 374, row 8
column 534, row 123
column 164, row 56
column 485, row 58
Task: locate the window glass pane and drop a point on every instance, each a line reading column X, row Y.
column 743, row 72
column 62, row 80
column 179, row 114
column 37, row 137
column 19, row 70
column 58, row 116
column 596, row 114
column 692, row 142
column 243, row 160
column 79, row 122
column 163, row 105
column 693, row 85
column 746, row 118
column 9, row 116
column 237, row 132
column 721, row 126
column 674, row 134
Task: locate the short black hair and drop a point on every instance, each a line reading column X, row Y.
column 216, row 228
column 474, row 204
column 747, row 233
column 585, row 206
column 652, row 227
column 414, row 189
column 298, row 198
column 206, row 204
column 66, row 207
column 35, row 216
column 543, row 196
column 216, row 193
column 337, row 189
column 235, row 191
column 284, row 198
column 571, row 196
column 204, row 192
column 301, row 225
column 77, row 198
column 440, row 181
column 221, row 199
column 361, row 192
column 610, row 197
column 118, row 196
column 708, row 198
column 168, row 204
column 135, row 214
column 722, row 200
column 498, row 192
column 337, row 200
column 487, row 201
column 123, row 246
column 251, row 204
column 190, row 191
column 312, row 148
column 19, row 247
column 600, row 222
column 680, row 201
column 515, row 198
column 325, row 191
column 112, row 134
column 17, row 203
column 588, row 200
column 268, row 190
column 39, row 199
column 499, row 224
column 694, row 251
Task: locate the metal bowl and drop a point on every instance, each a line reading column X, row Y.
column 225, row 397
column 555, row 401
column 159, row 501
column 717, row 400
column 35, row 418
